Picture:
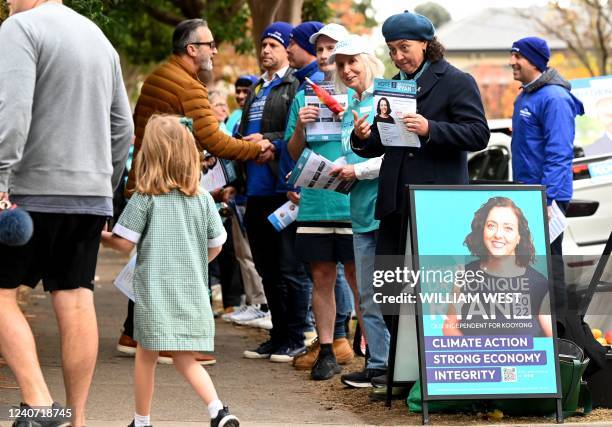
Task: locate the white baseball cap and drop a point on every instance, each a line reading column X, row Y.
column 333, row 31
column 351, row 45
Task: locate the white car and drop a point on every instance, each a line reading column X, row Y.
column 590, row 211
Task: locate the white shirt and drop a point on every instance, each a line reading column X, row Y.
column 279, row 74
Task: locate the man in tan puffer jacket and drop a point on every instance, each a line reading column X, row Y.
column 174, row 88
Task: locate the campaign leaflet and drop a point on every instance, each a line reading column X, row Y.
column 484, row 293
column 594, row 128
column 393, row 99
column 125, row 278
column 327, row 127
column 221, row 174
column 282, row 217
column 313, row 171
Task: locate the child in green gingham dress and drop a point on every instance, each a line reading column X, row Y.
column 177, row 230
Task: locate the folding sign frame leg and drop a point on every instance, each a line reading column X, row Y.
column 425, row 413
column 559, row 411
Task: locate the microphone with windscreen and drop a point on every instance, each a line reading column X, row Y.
column 16, row 225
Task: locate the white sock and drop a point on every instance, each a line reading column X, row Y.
column 214, row 407
column 142, row 420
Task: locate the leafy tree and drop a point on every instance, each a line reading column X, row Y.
column 142, row 29
column 585, row 26
column 3, row 11
column 357, row 16
column 436, row 13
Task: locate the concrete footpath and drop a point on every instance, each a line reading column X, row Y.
column 259, row 392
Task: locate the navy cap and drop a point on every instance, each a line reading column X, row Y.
column 301, row 35
column 246, row 80
column 534, row 49
column 279, row 31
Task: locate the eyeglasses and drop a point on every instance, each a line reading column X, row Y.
column 212, row 44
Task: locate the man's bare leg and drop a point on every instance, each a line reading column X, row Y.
column 76, row 316
column 19, row 351
column 323, row 299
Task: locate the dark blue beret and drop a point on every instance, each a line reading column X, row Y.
column 408, row 26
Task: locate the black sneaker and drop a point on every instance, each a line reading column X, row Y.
column 133, row 424
column 325, row 368
column 263, row 351
column 61, row 417
column 380, row 381
column 286, row 353
column 361, row 379
column 225, row 419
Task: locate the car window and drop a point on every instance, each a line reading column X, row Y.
column 477, row 164
column 497, row 166
column 490, row 165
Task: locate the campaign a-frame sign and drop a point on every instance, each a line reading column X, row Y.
column 484, row 324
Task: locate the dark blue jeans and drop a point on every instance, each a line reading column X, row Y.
column 344, row 304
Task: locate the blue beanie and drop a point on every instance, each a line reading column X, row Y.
column 246, row 80
column 279, row 31
column 534, row 49
column 301, row 35
column 407, row 26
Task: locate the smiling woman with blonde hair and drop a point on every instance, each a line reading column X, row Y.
column 356, row 69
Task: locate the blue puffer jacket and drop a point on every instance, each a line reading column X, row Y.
column 543, row 126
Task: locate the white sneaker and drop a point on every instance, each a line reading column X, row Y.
column 228, row 317
column 261, row 322
column 251, row 313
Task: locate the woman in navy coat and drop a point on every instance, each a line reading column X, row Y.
column 449, row 121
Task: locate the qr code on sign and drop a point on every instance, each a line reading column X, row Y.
column 509, row 375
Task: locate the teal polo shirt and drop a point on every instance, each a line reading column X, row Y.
column 317, row 204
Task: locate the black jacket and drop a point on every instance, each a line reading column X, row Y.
column 450, row 100
column 276, row 109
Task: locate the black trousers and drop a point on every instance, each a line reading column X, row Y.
column 231, row 280
column 286, row 284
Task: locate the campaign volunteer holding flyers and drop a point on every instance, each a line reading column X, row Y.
column 356, row 68
column 324, row 235
column 449, row 121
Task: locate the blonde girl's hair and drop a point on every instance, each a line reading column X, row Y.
column 374, row 69
column 168, row 158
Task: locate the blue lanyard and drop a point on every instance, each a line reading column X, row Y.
column 404, row 76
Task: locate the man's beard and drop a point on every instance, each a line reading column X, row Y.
column 206, row 65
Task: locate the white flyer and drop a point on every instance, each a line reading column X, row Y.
column 314, row 171
column 557, row 222
column 214, row 178
column 284, row 216
column 124, row 280
column 392, row 100
column 327, row 127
